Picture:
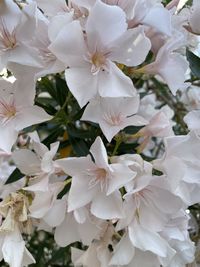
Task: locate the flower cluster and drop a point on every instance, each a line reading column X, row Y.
column 125, row 67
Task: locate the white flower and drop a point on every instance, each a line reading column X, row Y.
column 113, row 114
column 78, row 225
column 97, row 254
column 45, row 197
column 90, row 57
column 13, row 250
column 147, row 13
column 96, row 182
column 45, row 33
column 151, row 202
column 16, row 29
column 17, row 110
column 139, row 243
column 169, row 62
column 181, row 165
column 36, row 163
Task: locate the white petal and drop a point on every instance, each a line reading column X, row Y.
column 82, row 83
column 105, row 29
column 75, row 166
column 99, row 153
column 53, row 8
column 41, row 184
column 161, row 14
column 47, row 160
column 26, row 161
column 41, row 204
column 147, row 241
column 120, row 176
column 88, row 232
column 8, row 136
column 193, row 120
column 194, row 19
column 123, row 252
column 80, row 188
column 132, row 48
column 56, row 24
column 56, row 214
column 69, row 45
column 114, row 83
column 164, row 200
column 67, row 233
column 107, row 207
column 144, row 259
column 24, row 89
column 76, row 254
column 176, row 63
column 24, row 55
column 29, row 116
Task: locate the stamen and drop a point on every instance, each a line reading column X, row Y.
column 7, row 39
column 113, row 119
column 7, row 110
column 99, row 176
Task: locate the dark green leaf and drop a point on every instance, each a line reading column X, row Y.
column 15, row 176
column 194, row 62
column 61, row 90
column 53, row 136
column 79, row 146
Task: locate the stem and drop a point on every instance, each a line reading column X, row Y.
column 68, row 181
column 118, row 142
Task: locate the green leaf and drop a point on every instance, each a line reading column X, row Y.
column 46, row 85
column 79, row 147
column 15, row 176
column 46, row 104
column 194, row 62
column 61, row 89
column 82, row 134
column 53, row 136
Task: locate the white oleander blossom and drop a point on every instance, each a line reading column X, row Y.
column 110, row 117
column 180, row 163
column 91, row 57
column 99, row 182
column 168, row 61
column 17, row 110
column 14, row 36
column 75, row 226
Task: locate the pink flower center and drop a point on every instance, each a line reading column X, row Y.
column 114, row 119
column 7, row 39
column 99, row 176
column 47, row 56
column 7, row 110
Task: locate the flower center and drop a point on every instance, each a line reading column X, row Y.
column 7, row 39
column 7, row 110
column 100, row 173
column 47, row 56
column 99, row 176
column 98, row 60
column 113, row 120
